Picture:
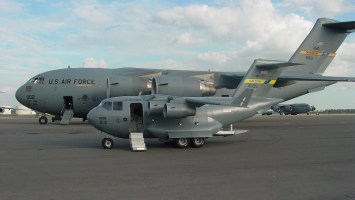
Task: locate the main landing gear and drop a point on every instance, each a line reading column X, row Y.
column 192, row 142
column 44, row 120
column 107, row 143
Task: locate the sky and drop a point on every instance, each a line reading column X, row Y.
column 221, row 35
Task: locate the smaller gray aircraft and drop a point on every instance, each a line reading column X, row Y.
column 293, row 109
column 186, row 121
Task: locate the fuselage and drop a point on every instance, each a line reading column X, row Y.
column 119, row 116
column 82, row 88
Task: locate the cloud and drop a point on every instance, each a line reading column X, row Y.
column 321, row 8
column 9, row 6
column 200, row 16
column 187, row 38
column 343, row 63
column 93, row 63
column 96, row 13
column 213, row 58
column 253, row 27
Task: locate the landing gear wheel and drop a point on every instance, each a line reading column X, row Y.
column 43, row 120
column 181, row 142
column 107, row 143
column 197, row 142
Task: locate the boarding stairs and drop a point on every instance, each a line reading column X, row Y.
column 67, row 116
column 137, row 141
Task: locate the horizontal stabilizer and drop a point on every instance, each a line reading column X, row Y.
column 341, row 26
column 317, row 78
column 275, row 64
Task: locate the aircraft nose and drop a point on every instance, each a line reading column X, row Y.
column 96, row 119
column 20, row 95
column 92, row 116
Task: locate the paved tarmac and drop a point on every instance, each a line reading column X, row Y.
column 281, row 157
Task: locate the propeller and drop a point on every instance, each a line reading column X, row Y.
column 108, row 88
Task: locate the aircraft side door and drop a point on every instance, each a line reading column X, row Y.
column 136, row 117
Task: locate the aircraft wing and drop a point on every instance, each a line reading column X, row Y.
column 198, row 102
column 242, row 100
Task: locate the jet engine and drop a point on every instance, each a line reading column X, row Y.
column 278, row 109
column 2, row 110
column 127, row 86
column 313, row 108
column 182, row 86
column 156, row 107
column 173, row 110
column 290, row 108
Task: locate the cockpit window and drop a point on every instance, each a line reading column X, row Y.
column 117, row 105
column 37, row 80
column 107, row 105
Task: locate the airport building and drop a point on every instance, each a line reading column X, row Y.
column 23, row 110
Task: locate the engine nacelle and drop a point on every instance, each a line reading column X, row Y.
column 127, row 86
column 276, row 108
column 2, row 110
column 156, row 107
column 182, row 86
column 173, row 110
column 313, row 108
column 290, row 108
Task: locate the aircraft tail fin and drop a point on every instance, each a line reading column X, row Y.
column 319, row 48
column 258, row 81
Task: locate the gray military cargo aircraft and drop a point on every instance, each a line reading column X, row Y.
column 73, row 92
column 3, row 108
column 293, row 109
column 186, row 120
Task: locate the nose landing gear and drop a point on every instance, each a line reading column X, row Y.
column 107, row 143
column 43, row 120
